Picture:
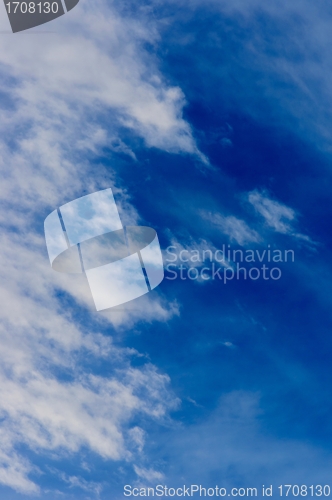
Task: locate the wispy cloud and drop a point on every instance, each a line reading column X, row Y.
column 232, row 446
column 277, row 216
column 149, row 475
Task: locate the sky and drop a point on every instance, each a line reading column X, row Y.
column 211, row 122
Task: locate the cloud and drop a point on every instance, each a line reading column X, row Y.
column 78, row 482
column 49, row 415
column 233, row 448
column 14, row 468
column 276, row 215
column 149, row 475
column 228, row 344
column 95, row 65
column 236, row 229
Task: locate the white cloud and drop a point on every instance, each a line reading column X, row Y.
column 95, row 64
column 14, row 469
column 236, row 229
column 137, row 436
column 78, row 482
column 276, row 215
column 228, row 344
column 149, row 475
